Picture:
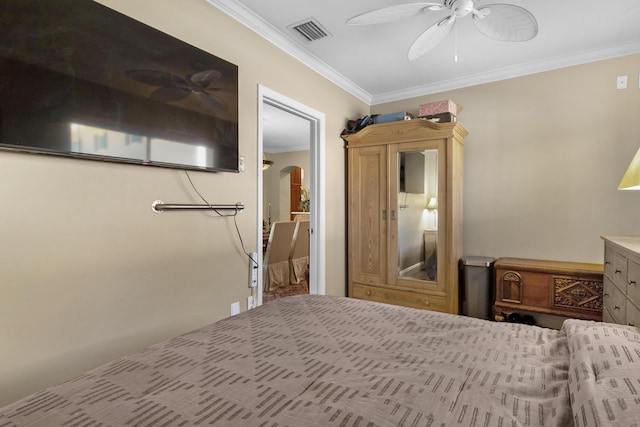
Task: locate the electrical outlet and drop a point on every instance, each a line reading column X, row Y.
column 235, row 308
column 241, row 163
column 621, row 82
column 250, row 302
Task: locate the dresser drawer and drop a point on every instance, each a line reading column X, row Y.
column 607, row 317
column 397, row 297
column 609, row 257
column 633, row 282
column 614, row 301
column 620, row 271
column 633, row 314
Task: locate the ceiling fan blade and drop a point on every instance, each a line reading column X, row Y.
column 506, row 22
column 392, row 13
column 170, row 94
column 432, row 37
column 208, row 100
column 205, row 78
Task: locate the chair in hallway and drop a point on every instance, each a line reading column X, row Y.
column 276, row 258
column 299, row 260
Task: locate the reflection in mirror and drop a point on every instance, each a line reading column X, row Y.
column 418, row 215
column 104, row 142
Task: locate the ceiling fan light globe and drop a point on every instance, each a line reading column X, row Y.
column 462, row 8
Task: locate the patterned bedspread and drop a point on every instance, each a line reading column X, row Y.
column 324, row 361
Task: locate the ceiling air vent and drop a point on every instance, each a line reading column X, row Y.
column 310, row 29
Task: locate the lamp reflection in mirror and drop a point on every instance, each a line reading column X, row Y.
column 432, row 206
column 266, row 164
column 433, row 203
column 631, row 178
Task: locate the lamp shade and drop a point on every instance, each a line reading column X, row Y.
column 433, row 203
column 631, row 178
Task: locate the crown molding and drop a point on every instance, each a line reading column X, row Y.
column 511, row 72
column 245, row 16
column 255, row 23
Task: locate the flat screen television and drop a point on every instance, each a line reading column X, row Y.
column 80, row 79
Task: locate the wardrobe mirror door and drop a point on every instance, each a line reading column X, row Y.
column 417, row 215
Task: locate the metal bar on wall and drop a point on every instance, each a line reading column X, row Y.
column 159, row 206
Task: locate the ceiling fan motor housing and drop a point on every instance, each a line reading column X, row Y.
column 461, row 8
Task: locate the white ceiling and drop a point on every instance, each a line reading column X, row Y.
column 371, row 61
column 283, row 131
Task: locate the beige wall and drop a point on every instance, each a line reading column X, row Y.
column 543, row 160
column 277, row 183
column 89, row 272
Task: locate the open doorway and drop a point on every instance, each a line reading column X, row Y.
column 315, row 121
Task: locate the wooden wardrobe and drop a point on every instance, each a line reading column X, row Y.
column 404, row 201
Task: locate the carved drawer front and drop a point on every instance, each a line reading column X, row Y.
column 519, row 287
column 577, row 293
column 552, row 287
column 511, row 285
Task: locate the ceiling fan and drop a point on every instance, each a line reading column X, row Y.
column 504, row 22
column 172, row 88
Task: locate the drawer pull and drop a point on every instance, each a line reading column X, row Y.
column 631, row 324
column 632, row 282
column 427, row 303
column 618, row 271
column 615, row 307
column 607, row 262
column 606, row 295
column 368, row 293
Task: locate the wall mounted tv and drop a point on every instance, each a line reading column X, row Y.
column 79, row 79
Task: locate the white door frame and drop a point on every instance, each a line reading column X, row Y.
column 317, row 122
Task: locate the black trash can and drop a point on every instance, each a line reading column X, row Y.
column 477, row 286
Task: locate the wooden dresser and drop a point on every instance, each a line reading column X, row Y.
column 622, row 280
column 566, row 289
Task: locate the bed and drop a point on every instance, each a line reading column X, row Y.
column 327, row 361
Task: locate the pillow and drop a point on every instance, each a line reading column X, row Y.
column 604, row 373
